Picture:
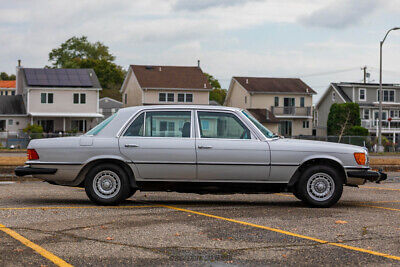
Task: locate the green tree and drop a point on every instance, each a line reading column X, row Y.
column 5, row 77
column 78, row 52
column 217, row 94
column 341, row 119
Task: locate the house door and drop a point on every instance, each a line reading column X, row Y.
column 285, row 128
column 2, row 125
column 288, row 105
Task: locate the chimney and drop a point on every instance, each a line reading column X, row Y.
column 247, row 81
column 198, row 63
column 19, row 62
column 18, row 82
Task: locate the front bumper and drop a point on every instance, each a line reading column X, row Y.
column 372, row 176
column 28, row 170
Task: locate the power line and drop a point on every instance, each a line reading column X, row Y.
column 328, row 72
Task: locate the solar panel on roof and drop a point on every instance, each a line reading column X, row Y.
column 58, row 77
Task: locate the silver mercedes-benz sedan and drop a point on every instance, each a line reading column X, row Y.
column 195, row 149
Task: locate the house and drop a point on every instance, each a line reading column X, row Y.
column 366, row 95
column 284, row 105
column 60, row 100
column 13, row 116
column 150, row 85
column 109, row 106
column 7, row 88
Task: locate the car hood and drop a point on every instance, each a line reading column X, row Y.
column 312, row 146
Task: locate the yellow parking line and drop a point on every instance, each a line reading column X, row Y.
column 384, row 201
column 82, row 207
column 378, row 207
column 380, row 188
column 288, row 233
column 48, row 255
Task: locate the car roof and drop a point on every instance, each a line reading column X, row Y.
column 135, row 108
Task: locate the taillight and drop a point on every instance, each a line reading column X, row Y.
column 32, row 154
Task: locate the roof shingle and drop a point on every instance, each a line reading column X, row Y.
column 274, row 85
column 178, row 77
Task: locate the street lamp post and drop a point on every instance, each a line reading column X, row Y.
column 380, row 147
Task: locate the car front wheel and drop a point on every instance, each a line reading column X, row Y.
column 107, row 184
column 320, row 186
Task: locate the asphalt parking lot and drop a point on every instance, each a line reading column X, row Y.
column 43, row 224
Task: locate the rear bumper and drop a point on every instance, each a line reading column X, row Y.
column 367, row 175
column 27, row 170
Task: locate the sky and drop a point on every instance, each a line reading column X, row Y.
column 319, row 41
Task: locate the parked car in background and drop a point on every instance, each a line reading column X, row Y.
column 198, row 149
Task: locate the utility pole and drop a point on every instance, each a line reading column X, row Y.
column 365, row 73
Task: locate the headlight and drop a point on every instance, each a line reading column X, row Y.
column 360, row 158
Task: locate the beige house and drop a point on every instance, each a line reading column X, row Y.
column 60, row 100
column 284, row 105
column 159, row 85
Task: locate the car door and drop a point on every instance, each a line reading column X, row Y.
column 227, row 149
column 160, row 144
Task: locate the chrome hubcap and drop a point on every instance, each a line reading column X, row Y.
column 320, row 186
column 106, row 184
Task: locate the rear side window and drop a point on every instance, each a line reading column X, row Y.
column 168, row 124
column 221, row 125
column 137, row 127
column 101, row 125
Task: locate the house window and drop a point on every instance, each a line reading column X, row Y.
column 46, row 98
column 79, row 98
column 366, row 114
column 302, row 102
column 362, row 94
column 10, row 122
column 181, row 97
column 12, row 92
column 333, row 96
column 1, row 92
column 245, row 99
column 171, row 97
column 189, row 98
column 276, row 101
column 162, row 97
column 388, row 95
column 6, row 92
column 126, row 98
column 78, row 125
column 306, row 124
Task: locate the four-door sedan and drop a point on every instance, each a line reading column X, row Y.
column 196, row 149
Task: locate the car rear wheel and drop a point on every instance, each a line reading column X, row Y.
column 320, row 186
column 107, row 184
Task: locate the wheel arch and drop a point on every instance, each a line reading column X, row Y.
column 324, row 160
column 119, row 162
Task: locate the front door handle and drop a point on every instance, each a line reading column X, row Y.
column 204, row 147
column 131, row 145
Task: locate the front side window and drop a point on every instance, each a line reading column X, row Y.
column 221, row 125
column 168, row 124
column 267, row 133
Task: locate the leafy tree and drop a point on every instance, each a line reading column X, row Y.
column 5, row 77
column 342, row 117
column 217, row 94
column 78, row 52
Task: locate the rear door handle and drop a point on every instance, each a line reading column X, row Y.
column 131, row 145
column 204, row 147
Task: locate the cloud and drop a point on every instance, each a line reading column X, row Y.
column 341, row 14
column 196, row 5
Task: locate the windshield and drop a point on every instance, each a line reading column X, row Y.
column 101, row 125
column 267, row 133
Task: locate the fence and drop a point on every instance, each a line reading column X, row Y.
column 21, row 139
column 369, row 142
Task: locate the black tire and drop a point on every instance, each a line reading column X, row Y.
column 131, row 192
column 320, row 186
column 296, row 194
column 107, row 184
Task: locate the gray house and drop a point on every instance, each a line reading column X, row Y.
column 109, row 106
column 367, row 96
